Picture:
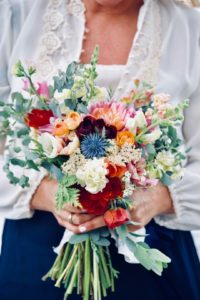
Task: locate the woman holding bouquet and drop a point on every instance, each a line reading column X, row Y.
column 157, row 41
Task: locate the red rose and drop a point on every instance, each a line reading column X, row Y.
column 116, row 217
column 113, row 188
column 95, row 204
column 38, row 117
column 98, row 203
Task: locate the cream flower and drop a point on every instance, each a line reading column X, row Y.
column 51, row 145
column 71, row 147
column 139, row 121
column 165, row 160
column 150, row 138
column 93, row 175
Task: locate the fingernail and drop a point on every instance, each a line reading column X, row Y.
column 82, row 228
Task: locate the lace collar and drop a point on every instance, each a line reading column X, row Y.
column 64, row 29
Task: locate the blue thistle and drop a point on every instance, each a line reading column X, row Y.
column 94, row 145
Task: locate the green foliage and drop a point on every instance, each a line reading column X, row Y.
column 66, row 193
column 151, row 259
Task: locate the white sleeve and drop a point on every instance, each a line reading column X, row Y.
column 186, row 193
column 14, row 201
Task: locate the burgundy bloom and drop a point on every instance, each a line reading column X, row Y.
column 91, row 125
column 86, row 127
column 38, row 118
column 111, row 132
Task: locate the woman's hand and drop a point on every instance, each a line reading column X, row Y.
column 147, row 204
column 45, row 199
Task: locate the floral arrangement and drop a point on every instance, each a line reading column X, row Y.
column 100, row 150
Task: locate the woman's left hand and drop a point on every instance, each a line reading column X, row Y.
column 147, row 204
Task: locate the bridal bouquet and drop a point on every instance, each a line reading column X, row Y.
column 100, row 150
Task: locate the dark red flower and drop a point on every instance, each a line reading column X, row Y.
column 113, row 189
column 38, row 118
column 86, row 127
column 111, row 132
column 98, row 203
column 116, row 217
column 95, row 204
column 91, row 125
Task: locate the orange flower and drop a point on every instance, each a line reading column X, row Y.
column 60, row 128
column 73, row 120
column 115, row 170
column 125, row 137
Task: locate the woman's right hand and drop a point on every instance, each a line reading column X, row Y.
column 69, row 217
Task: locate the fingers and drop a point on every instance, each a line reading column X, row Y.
column 69, row 226
column 73, row 209
column 75, row 219
column 95, row 223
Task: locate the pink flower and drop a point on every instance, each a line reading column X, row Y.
column 26, row 85
column 138, row 172
column 43, row 90
column 113, row 113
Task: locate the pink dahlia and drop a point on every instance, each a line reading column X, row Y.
column 113, row 113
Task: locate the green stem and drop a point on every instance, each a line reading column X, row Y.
column 104, row 265
column 72, row 281
column 80, row 270
column 87, row 270
column 152, row 126
column 96, row 275
column 111, row 269
column 69, row 266
column 65, row 258
column 54, row 268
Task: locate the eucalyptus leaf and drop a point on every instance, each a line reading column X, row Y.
column 166, row 179
column 103, row 242
column 78, row 238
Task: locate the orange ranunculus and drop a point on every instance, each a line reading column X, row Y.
column 116, row 217
column 125, row 137
column 73, row 120
column 115, row 170
column 60, row 128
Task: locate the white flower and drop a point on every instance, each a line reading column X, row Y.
column 71, row 147
column 65, row 94
column 51, row 146
column 140, row 119
column 131, row 125
column 150, row 138
column 93, row 175
column 165, row 160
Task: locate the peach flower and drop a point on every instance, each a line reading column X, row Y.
column 125, row 137
column 73, row 120
column 60, row 128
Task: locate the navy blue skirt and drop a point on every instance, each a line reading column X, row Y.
column 27, row 255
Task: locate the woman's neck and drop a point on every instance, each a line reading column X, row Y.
column 113, row 7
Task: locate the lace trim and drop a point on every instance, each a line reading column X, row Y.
column 56, row 31
column 147, row 51
column 144, row 59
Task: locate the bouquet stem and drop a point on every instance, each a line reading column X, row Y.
column 85, row 267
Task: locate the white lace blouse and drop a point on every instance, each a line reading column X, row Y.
column 165, row 52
